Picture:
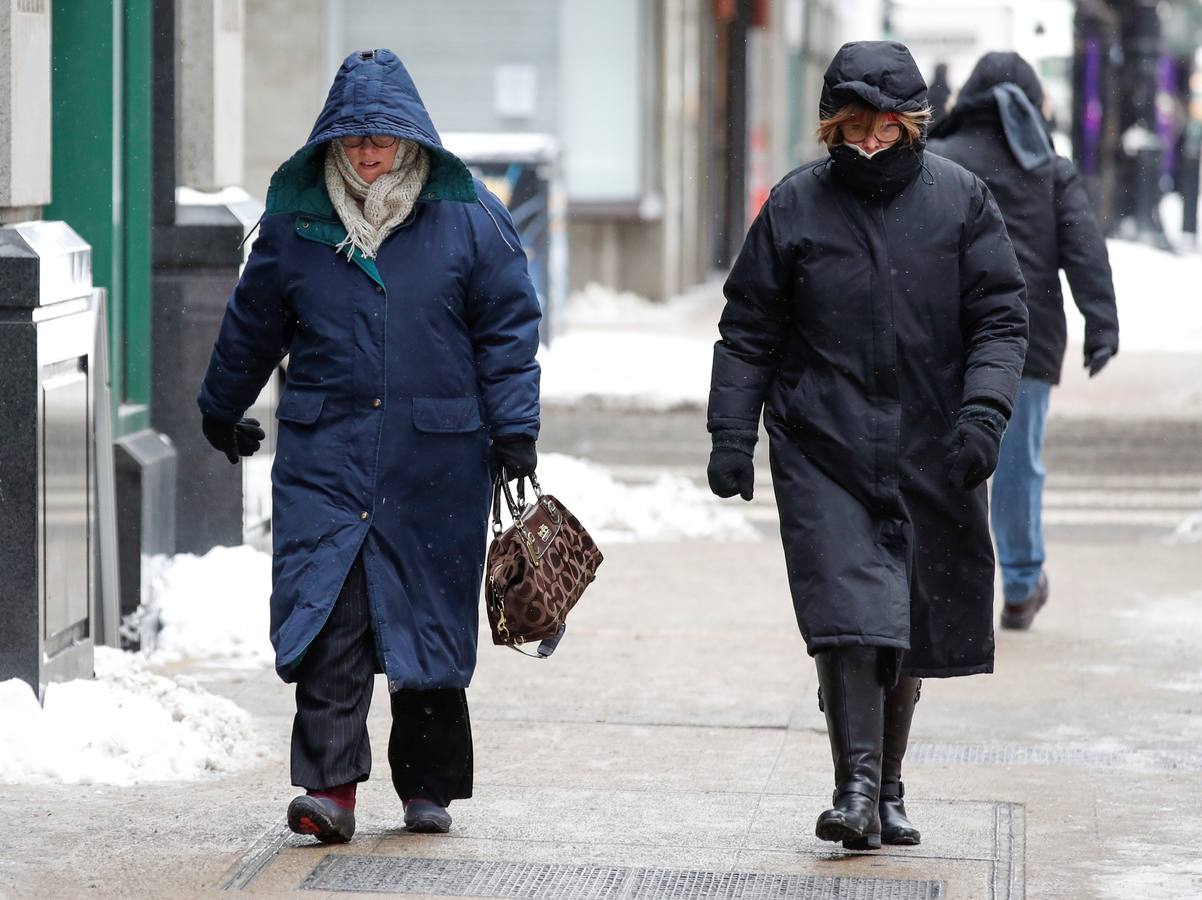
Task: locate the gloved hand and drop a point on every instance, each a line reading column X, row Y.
column 1097, row 357
column 732, row 465
column 974, row 444
column 234, row 439
column 515, row 454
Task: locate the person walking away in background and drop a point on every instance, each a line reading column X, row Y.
column 875, row 314
column 940, row 94
column 398, row 287
column 997, row 130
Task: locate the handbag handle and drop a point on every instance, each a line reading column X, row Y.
column 518, row 506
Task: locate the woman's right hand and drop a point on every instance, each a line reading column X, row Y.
column 234, row 439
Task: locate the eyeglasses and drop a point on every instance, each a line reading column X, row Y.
column 887, row 131
column 383, row 141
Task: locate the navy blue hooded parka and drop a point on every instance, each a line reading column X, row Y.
column 400, row 368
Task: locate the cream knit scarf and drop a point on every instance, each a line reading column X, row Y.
column 370, row 212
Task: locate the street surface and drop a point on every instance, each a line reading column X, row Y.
column 673, row 746
column 1107, row 481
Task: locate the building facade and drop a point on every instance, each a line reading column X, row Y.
column 673, row 118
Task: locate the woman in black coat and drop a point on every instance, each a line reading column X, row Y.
column 998, row 131
column 876, row 315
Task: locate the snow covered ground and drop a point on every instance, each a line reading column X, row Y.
column 211, row 608
column 130, row 725
column 126, row 726
column 1160, row 310
column 670, row 508
column 620, row 350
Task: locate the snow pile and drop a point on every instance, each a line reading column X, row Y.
column 1159, row 308
column 126, row 726
column 597, row 306
column 1190, row 530
column 669, row 509
column 627, row 370
column 621, row 350
column 211, row 607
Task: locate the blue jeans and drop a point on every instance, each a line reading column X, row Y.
column 1016, row 507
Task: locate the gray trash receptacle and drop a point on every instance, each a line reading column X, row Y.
column 47, row 452
column 523, row 171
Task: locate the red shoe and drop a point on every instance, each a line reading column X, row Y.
column 328, row 815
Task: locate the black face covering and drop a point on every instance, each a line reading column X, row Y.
column 884, row 175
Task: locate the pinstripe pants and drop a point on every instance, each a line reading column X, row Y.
column 430, row 747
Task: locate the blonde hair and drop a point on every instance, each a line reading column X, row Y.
column 830, row 128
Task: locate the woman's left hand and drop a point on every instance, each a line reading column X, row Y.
column 514, row 455
column 974, row 445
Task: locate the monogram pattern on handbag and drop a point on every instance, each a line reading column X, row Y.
column 537, row 568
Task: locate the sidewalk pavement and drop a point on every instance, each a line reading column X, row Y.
column 675, row 737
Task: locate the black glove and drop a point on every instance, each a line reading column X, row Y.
column 514, row 454
column 732, row 465
column 234, row 439
column 1096, row 359
column 976, row 437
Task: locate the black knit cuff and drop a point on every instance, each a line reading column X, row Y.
column 982, row 412
column 743, row 441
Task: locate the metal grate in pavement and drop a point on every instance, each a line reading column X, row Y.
column 1075, row 757
column 476, row 878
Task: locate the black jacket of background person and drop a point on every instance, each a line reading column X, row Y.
column 1047, row 214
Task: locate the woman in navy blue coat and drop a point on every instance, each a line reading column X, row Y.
column 398, row 288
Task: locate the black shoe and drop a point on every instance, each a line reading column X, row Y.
column 426, row 817
column 1019, row 616
column 322, row 818
column 899, row 713
column 853, row 700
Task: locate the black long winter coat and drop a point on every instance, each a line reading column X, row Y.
column 861, row 324
column 1047, row 214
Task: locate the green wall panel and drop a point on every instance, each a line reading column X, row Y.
column 138, row 177
column 101, row 172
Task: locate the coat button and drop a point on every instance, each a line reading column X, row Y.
column 379, row 289
column 363, row 515
column 377, row 403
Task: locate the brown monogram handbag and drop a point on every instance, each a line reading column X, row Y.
column 536, row 570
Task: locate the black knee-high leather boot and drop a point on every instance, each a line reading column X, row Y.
column 853, row 699
column 899, row 712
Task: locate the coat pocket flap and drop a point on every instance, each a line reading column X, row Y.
column 302, row 407
column 446, row 415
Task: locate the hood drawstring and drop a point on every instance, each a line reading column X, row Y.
column 496, row 225
column 252, row 230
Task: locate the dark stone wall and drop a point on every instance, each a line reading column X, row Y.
column 196, row 268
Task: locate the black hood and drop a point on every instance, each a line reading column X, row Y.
column 879, row 73
column 1004, row 90
column 1000, row 67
